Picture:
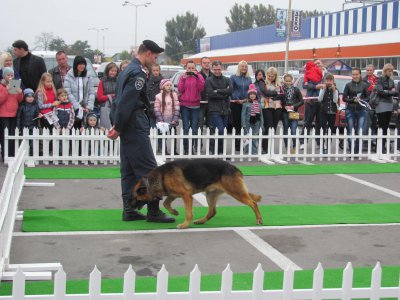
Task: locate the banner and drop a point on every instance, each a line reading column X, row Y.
column 281, row 16
column 295, row 30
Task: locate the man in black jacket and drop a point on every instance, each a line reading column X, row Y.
column 219, row 90
column 29, row 66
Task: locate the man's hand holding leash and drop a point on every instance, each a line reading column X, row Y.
column 113, row 134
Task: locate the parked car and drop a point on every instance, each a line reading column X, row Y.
column 340, row 81
column 168, row 71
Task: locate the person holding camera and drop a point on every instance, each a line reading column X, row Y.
column 328, row 96
column 190, row 85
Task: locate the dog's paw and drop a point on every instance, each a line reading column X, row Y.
column 174, row 212
column 259, row 222
column 182, row 226
column 199, row 221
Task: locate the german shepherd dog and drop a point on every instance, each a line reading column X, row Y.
column 183, row 178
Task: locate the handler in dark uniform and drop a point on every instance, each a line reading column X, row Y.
column 131, row 123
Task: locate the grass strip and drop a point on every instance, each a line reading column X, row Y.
column 227, row 216
column 275, row 170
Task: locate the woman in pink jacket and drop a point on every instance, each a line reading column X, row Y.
column 9, row 100
column 190, row 85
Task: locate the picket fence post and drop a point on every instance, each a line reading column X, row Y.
column 129, row 284
column 194, row 284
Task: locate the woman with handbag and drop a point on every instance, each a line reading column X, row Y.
column 328, row 96
column 292, row 99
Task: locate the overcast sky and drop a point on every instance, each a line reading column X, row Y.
column 70, row 19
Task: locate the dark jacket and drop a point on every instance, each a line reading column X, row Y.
column 351, row 90
column 130, row 101
column 203, row 94
column 297, row 100
column 55, row 72
column 36, row 67
column 327, row 98
column 262, row 90
column 384, row 86
column 25, row 115
column 218, row 91
column 153, row 87
column 66, row 115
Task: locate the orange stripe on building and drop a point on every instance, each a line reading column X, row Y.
column 383, row 50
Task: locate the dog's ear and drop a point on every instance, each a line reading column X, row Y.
column 136, row 188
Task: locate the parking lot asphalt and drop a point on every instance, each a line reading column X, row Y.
column 212, row 250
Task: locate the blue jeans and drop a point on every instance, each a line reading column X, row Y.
column 255, row 132
column 351, row 117
column 190, row 119
column 286, row 123
column 217, row 122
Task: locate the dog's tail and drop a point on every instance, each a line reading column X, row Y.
column 256, row 198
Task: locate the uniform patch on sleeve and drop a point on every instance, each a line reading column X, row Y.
column 139, row 83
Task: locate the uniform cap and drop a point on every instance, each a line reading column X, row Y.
column 152, row 46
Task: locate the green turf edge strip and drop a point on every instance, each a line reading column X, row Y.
column 227, row 216
column 113, row 172
column 241, row 281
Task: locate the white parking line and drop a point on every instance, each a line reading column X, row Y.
column 274, row 255
column 371, row 185
column 190, row 230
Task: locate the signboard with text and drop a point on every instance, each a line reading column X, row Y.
column 281, row 16
column 295, row 30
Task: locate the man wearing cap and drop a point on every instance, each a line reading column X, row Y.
column 131, row 123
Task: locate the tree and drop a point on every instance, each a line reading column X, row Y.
column 264, row 15
column 80, row 48
column 242, row 17
column 182, row 33
column 125, row 55
column 43, row 40
column 58, row 44
column 311, row 13
column 10, row 50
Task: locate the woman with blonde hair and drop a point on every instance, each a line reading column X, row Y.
column 385, row 89
column 240, row 85
column 272, row 109
column 6, row 61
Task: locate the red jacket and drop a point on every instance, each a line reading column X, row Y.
column 9, row 103
column 101, row 97
column 190, row 89
column 313, row 73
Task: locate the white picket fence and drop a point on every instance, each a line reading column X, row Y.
column 9, row 198
column 94, row 147
column 346, row 291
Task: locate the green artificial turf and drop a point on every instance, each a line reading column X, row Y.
column 241, row 281
column 113, row 172
column 227, row 216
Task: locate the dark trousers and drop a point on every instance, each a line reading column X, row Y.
column 398, row 131
column 137, row 159
column 203, row 116
column 236, row 113
column 327, row 121
column 217, row 122
column 311, row 112
column 11, row 124
column 271, row 118
column 383, row 122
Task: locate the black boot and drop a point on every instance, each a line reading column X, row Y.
column 130, row 212
column 154, row 214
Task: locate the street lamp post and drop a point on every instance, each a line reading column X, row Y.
column 136, row 17
column 288, row 25
column 98, row 30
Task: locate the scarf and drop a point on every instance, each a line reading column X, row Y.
column 254, row 108
column 289, row 93
column 109, row 85
column 372, row 81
